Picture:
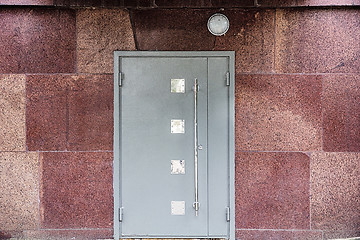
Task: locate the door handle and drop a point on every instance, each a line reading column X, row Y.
column 196, row 204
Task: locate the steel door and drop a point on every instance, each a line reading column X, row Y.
column 172, row 145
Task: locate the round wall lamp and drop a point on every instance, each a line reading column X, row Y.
column 218, row 24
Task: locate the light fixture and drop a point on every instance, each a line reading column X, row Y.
column 218, row 24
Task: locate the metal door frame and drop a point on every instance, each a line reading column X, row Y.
column 117, row 112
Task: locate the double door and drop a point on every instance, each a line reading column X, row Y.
column 173, row 145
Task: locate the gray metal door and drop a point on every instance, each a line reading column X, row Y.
column 172, row 146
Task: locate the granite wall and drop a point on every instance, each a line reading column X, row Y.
column 297, row 113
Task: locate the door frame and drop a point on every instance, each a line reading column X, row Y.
column 117, row 118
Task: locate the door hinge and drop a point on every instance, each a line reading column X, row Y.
column 121, row 213
column 228, row 214
column 227, row 79
column 120, row 79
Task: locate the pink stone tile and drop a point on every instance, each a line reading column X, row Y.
column 277, row 3
column 12, row 234
column 76, row 190
column 341, row 109
column 278, row 235
column 37, row 40
column 64, row 112
column 272, row 190
column 139, row 3
column 172, row 29
column 12, row 113
column 5, row 235
column 107, row 3
column 19, row 181
column 251, row 35
column 325, row 2
column 26, row 2
column 99, row 33
column 183, row 3
column 278, row 112
column 202, row 3
column 354, row 118
column 90, row 101
column 327, row 50
column 12, row 53
column 298, row 3
column 101, row 233
column 350, row 235
column 46, row 112
column 335, row 192
column 232, row 3
column 81, row 3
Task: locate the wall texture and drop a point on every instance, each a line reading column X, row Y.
column 297, row 114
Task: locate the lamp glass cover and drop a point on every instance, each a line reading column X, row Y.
column 218, row 24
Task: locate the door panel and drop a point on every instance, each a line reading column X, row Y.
column 154, row 169
column 148, row 106
column 218, row 145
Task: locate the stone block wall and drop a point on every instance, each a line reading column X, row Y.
column 297, row 113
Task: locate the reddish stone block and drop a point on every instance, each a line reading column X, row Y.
column 26, row 2
column 76, row 190
column 325, row 2
column 12, row 113
column 106, row 3
column 335, row 193
column 19, row 196
column 202, row 3
column 172, row 30
column 278, row 235
column 69, row 112
column 90, row 101
column 185, row 29
column 183, row 3
column 297, row 3
column 232, row 3
column 139, row 3
column 272, row 190
column 278, row 112
column 351, row 235
column 13, row 234
column 99, row 33
column 101, row 233
column 5, row 235
column 354, row 118
column 86, row 3
column 46, row 112
column 327, row 50
column 251, row 35
column 278, row 3
column 341, row 106
column 37, row 40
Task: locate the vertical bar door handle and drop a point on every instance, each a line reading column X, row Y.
column 196, row 204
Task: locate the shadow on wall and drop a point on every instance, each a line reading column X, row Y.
column 4, row 235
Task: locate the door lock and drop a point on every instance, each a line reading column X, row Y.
column 200, row 147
